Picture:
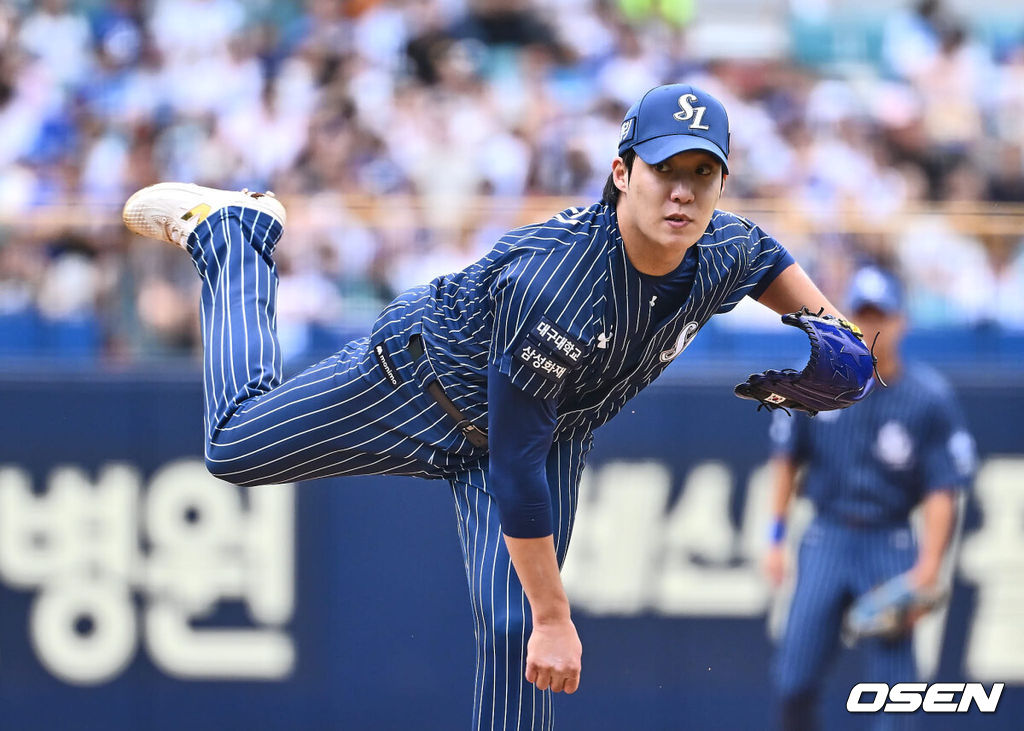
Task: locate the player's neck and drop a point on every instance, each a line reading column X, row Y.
column 647, row 256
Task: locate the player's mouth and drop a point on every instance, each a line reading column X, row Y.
column 678, row 220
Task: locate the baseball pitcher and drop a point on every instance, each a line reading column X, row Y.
column 494, row 378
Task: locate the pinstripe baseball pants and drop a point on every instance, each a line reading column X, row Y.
column 342, row 416
column 837, row 563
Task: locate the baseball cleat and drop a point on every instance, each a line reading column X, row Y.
column 171, row 211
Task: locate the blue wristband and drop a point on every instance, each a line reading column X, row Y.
column 778, row 531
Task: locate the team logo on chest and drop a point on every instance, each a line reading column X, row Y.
column 682, row 341
column 894, row 446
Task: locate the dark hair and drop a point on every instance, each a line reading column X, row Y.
column 610, row 196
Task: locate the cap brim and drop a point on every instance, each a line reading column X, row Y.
column 662, row 148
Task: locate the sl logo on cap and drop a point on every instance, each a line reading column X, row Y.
column 690, row 112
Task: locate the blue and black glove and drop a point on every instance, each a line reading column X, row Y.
column 839, row 373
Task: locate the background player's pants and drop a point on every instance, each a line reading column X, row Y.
column 343, row 417
column 837, row 563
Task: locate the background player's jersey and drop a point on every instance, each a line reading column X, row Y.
column 871, row 465
column 558, row 308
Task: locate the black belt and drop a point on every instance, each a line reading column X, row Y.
column 476, row 437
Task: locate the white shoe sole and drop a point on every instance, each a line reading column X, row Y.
column 171, row 211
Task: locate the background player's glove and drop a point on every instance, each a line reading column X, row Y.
column 839, row 373
column 889, row 610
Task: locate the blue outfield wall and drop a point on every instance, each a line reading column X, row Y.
column 136, row 592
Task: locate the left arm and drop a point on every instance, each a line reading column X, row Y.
column 939, row 512
column 793, row 289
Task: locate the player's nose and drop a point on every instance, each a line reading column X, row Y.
column 682, row 191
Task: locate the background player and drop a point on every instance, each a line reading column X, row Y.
column 492, row 378
column 866, row 469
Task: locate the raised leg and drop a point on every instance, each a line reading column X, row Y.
column 241, row 358
column 339, row 417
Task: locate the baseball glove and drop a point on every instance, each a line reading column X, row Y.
column 839, row 373
column 889, row 610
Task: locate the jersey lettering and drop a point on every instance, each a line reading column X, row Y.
column 566, row 347
column 386, row 365
column 688, row 112
column 540, row 363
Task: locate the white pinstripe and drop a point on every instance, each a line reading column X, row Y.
column 481, row 668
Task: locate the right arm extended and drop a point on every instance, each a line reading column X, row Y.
column 520, row 432
column 553, row 654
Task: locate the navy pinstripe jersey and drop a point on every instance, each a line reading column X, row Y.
column 873, row 463
column 558, row 307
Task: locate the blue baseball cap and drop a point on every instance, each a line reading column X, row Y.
column 875, row 287
column 672, row 119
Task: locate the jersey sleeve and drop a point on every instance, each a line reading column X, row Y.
column 948, row 456
column 537, row 338
column 520, row 432
column 766, row 260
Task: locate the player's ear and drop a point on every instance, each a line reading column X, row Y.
column 620, row 176
column 724, row 176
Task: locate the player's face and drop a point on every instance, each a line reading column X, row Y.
column 670, row 204
column 889, row 326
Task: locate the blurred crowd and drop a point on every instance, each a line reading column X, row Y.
column 407, row 134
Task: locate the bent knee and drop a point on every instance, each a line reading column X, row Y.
column 228, row 465
column 222, row 471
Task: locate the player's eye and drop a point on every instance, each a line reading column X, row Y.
column 662, row 167
column 705, row 170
